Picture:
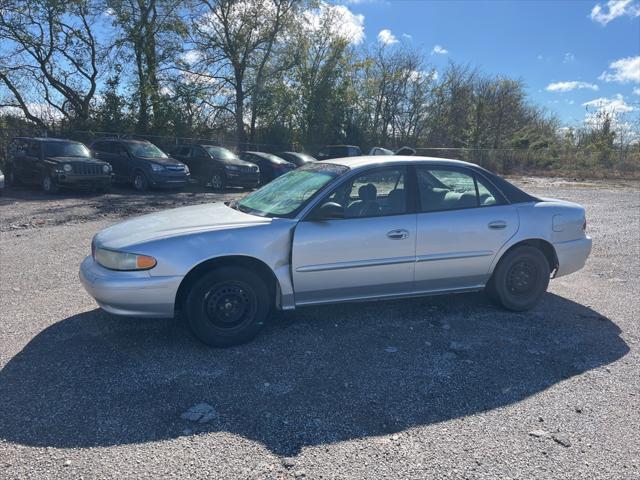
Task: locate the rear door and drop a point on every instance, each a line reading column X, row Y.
column 462, row 223
column 369, row 253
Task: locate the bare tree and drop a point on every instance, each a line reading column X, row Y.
column 49, row 55
column 238, row 41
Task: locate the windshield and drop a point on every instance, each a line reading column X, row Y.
column 220, row 152
column 63, row 149
column 146, row 150
column 287, row 194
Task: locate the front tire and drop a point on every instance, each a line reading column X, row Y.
column 49, row 185
column 217, row 181
column 140, row 182
column 520, row 279
column 227, row 306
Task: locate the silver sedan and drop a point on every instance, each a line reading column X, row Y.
column 359, row 228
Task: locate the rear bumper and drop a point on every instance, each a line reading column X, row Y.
column 135, row 294
column 572, row 255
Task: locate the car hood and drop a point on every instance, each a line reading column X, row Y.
column 175, row 222
column 236, row 161
column 83, row 160
column 163, row 161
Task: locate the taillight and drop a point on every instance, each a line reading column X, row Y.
column 584, row 225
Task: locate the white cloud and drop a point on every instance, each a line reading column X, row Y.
column 636, row 91
column 386, row 37
column 439, row 50
column 613, row 9
column 568, row 58
column 191, row 57
column 624, row 70
column 615, row 105
column 340, row 20
column 109, row 12
column 568, row 86
column 407, row 36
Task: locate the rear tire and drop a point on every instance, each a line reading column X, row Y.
column 227, row 306
column 520, row 279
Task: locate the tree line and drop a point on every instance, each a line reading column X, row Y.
column 260, row 72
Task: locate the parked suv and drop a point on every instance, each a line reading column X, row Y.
column 217, row 166
column 53, row 163
column 338, row 151
column 141, row 163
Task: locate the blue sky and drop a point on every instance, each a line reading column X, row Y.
column 571, row 44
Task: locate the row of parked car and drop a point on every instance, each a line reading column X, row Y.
column 54, row 163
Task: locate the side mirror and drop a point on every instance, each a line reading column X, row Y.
column 329, row 211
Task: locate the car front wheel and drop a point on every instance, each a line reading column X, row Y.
column 520, row 279
column 49, row 185
column 227, row 306
column 140, row 182
column 217, row 181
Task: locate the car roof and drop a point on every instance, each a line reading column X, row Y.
column 47, row 139
column 365, row 160
column 125, row 140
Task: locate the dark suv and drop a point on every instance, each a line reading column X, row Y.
column 338, row 151
column 53, row 163
column 141, row 163
column 217, row 166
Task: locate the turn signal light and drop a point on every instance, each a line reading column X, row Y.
column 143, row 262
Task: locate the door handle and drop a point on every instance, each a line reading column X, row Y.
column 497, row 225
column 398, row 234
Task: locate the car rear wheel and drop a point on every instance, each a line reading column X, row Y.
column 217, row 181
column 49, row 185
column 12, row 179
column 227, row 306
column 520, row 279
column 140, row 182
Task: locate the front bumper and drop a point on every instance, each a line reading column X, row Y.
column 135, row 294
column 572, row 255
column 73, row 180
column 242, row 179
column 162, row 181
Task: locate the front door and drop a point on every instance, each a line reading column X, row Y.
column 462, row 224
column 368, row 253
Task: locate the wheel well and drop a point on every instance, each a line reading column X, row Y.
column 545, row 247
column 249, row 263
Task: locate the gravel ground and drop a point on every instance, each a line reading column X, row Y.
column 441, row 387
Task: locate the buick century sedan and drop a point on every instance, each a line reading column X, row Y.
column 350, row 229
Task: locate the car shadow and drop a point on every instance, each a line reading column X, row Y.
column 316, row 376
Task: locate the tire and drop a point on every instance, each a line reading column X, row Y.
column 11, row 178
column 49, row 185
column 217, row 181
column 520, row 279
column 227, row 306
column 140, row 182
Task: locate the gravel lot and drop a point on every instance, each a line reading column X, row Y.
column 441, row 387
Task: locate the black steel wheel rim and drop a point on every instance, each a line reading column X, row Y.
column 216, row 181
column 230, row 304
column 522, row 277
column 46, row 183
column 138, row 182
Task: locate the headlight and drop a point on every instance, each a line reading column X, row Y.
column 233, row 168
column 106, row 168
column 186, row 169
column 156, row 167
column 67, row 168
column 123, row 261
